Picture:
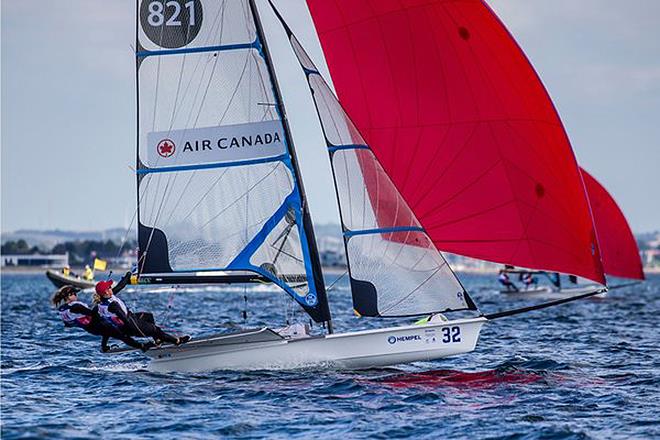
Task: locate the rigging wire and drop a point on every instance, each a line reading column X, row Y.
column 336, row 281
column 512, row 312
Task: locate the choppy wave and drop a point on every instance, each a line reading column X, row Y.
column 585, row 370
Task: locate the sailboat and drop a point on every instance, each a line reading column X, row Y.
column 446, row 147
column 553, row 288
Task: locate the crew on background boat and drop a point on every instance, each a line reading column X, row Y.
column 555, row 279
column 503, row 278
column 76, row 313
column 88, row 274
column 529, row 280
column 139, row 324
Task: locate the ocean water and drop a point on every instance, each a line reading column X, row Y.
column 588, row 369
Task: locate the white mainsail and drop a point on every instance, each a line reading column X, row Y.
column 218, row 188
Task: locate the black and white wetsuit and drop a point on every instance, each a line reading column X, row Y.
column 78, row 314
column 75, row 314
column 139, row 324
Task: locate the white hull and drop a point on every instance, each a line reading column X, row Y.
column 530, row 291
column 547, row 292
column 265, row 350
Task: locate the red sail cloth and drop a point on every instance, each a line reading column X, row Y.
column 618, row 247
column 462, row 124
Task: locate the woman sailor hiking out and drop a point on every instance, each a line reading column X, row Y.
column 76, row 313
column 139, row 324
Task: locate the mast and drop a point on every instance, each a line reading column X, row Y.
column 307, row 222
column 137, row 129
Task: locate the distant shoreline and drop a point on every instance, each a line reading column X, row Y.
column 326, row 270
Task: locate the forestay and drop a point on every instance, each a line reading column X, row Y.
column 395, row 270
column 218, row 193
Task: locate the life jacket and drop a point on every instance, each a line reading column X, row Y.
column 107, row 314
column 88, row 275
column 74, row 319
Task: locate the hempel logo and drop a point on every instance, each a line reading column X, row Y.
column 394, row 339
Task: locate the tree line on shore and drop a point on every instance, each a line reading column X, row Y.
column 80, row 251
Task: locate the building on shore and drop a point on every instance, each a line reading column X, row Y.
column 35, row 260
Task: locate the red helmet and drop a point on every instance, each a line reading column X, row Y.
column 102, row 286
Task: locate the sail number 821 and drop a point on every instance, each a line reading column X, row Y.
column 451, row 334
column 157, row 13
column 171, row 24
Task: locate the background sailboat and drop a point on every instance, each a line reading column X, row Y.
column 619, row 252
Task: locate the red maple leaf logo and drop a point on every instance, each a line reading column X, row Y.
column 165, row 148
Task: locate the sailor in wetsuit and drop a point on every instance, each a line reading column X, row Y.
column 139, row 324
column 76, row 313
column 528, row 279
column 503, row 278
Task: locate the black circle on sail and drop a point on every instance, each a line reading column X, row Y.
column 171, row 23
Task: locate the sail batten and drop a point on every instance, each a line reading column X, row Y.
column 238, row 46
column 210, row 165
column 351, row 233
column 333, row 148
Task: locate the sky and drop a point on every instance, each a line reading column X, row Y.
column 68, row 104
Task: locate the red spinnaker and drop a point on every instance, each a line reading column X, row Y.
column 463, row 126
column 618, row 247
